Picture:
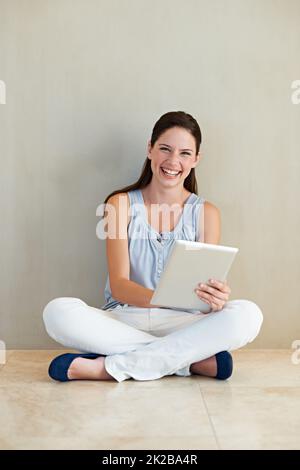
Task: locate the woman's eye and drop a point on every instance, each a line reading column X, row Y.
column 183, row 153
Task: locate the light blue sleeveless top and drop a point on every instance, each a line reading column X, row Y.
column 148, row 249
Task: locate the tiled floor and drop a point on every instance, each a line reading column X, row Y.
column 257, row 408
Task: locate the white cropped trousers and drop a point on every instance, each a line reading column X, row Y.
column 149, row 343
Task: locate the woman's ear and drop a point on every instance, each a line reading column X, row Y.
column 149, row 150
column 197, row 159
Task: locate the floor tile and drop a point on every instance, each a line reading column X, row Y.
column 255, row 418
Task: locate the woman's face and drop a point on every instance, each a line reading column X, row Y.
column 174, row 150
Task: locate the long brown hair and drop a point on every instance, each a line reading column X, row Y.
column 165, row 122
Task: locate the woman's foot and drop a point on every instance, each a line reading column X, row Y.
column 206, row 367
column 88, row 369
column 219, row 366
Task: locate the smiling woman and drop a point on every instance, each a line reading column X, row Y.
column 129, row 337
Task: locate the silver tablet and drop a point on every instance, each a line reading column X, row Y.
column 188, row 264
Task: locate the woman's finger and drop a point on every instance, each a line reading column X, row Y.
column 211, row 291
column 204, row 297
column 216, row 306
column 221, row 285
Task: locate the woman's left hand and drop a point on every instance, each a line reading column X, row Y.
column 215, row 293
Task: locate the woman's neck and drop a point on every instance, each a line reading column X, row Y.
column 159, row 195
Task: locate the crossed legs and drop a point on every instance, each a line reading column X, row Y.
column 134, row 353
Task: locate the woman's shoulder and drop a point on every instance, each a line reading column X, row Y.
column 212, row 222
column 210, row 207
column 120, row 202
column 211, row 212
column 115, row 198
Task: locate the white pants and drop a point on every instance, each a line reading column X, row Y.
column 149, row 343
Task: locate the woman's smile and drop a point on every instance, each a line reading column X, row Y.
column 169, row 174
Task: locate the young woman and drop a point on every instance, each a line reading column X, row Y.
column 128, row 337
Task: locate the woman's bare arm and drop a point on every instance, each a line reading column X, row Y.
column 122, row 288
column 212, row 224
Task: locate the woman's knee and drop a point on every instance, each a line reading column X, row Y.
column 248, row 315
column 57, row 313
column 255, row 314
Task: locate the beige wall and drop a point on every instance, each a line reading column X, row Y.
column 85, row 82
